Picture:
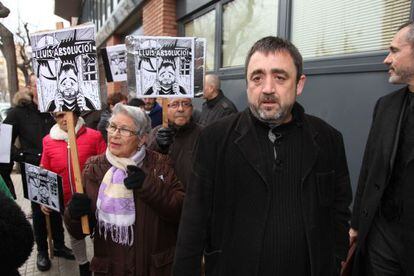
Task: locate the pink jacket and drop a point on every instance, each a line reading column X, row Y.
column 56, row 154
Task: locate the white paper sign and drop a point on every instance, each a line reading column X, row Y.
column 5, row 145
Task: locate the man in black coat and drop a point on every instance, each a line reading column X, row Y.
column 179, row 139
column 270, row 190
column 216, row 106
column 383, row 215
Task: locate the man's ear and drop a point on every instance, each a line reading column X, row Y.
column 300, row 85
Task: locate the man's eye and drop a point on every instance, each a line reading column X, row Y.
column 257, row 78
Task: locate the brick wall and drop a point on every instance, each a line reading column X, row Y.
column 159, row 17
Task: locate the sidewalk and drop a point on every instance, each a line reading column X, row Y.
column 60, row 266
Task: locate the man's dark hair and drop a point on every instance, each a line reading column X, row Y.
column 136, row 102
column 410, row 34
column 115, row 98
column 270, row 44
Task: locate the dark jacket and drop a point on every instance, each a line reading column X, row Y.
column 156, row 115
column 227, row 202
column 376, row 169
column 30, row 126
column 181, row 151
column 215, row 109
column 158, row 207
column 103, row 122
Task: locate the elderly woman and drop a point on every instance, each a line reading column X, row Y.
column 56, row 158
column 133, row 200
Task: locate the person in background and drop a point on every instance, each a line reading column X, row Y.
column 153, row 110
column 133, row 200
column 136, row 102
column 270, row 190
column 179, row 139
column 30, row 126
column 383, row 216
column 56, row 157
column 113, row 99
column 217, row 105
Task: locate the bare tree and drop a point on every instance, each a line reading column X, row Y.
column 25, row 63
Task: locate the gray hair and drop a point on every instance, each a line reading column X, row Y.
column 214, row 81
column 410, row 34
column 141, row 120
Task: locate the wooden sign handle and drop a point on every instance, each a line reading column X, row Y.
column 74, row 157
column 164, row 112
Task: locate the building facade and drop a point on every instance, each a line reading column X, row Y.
column 343, row 44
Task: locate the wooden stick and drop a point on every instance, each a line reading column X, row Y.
column 73, row 147
column 164, row 112
column 49, row 236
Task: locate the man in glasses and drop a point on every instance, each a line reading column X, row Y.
column 178, row 140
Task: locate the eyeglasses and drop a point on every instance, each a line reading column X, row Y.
column 112, row 128
column 175, row 105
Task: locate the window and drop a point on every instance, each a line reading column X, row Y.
column 245, row 22
column 327, row 28
column 204, row 26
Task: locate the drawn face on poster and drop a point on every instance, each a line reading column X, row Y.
column 162, row 66
column 66, row 68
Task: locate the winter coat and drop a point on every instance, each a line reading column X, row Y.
column 158, row 208
column 227, row 202
column 56, row 155
column 156, row 115
column 376, row 170
column 181, row 151
column 216, row 109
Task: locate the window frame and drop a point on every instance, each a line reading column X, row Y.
column 336, row 64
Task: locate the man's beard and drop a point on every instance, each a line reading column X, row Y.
column 69, row 94
column 276, row 118
column 401, row 76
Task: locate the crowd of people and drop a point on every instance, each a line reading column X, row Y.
column 264, row 191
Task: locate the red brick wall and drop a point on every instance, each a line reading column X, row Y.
column 159, row 18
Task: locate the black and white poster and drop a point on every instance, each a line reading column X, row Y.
column 160, row 66
column 66, row 67
column 115, row 62
column 42, row 186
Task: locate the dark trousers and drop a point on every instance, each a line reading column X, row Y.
column 384, row 249
column 40, row 230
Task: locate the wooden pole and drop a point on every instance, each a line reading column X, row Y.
column 49, row 236
column 73, row 147
column 164, row 112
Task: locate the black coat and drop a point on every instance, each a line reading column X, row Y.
column 376, row 169
column 228, row 199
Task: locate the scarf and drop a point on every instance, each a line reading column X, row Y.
column 56, row 133
column 115, row 206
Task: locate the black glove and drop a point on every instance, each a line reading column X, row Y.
column 165, row 137
column 79, row 205
column 135, row 177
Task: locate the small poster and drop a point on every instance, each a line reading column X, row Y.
column 66, row 67
column 115, row 62
column 5, row 145
column 42, row 186
column 160, row 66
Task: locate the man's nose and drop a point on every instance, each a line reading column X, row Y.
column 387, row 59
column 269, row 85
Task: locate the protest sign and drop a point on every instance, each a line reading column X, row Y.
column 66, row 67
column 5, row 145
column 115, row 63
column 160, row 66
column 42, row 186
